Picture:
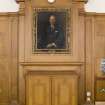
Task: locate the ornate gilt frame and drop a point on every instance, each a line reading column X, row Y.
column 68, row 31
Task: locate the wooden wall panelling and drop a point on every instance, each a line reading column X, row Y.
column 13, row 28
column 82, row 85
column 99, row 49
column 21, row 38
column 81, row 50
column 99, row 43
column 8, row 58
column 21, row 32
column 50, row 62
column 12, row 57
column 90, row 55
column 28, row 31
column 4, row 60
column 77, row 48
column 38, row 90
column 75, row 34
column 22, row 35
column 64, row 90
column 81, row 34
column 22, row 86
column 51, row 89
column 33, row 68
column 95, row 46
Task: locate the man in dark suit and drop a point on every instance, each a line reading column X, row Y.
column 55, row 35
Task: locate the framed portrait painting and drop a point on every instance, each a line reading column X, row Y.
column 51, row 30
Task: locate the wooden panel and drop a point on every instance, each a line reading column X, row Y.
column 89, row 55
column 13, row 27
column 51, row 68
column 50, row 89
column 64, row 90
column 8, row 59
column 76, row 29
column 100, row 89
column 99, row 43
column 4, row 60
column 38, row 90
column 95, row 51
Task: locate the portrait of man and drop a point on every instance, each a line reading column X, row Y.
column 51, row 31
column 54, row 35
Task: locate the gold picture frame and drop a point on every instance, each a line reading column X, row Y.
column 65, row 13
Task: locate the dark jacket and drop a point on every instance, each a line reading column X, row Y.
column 56, row 36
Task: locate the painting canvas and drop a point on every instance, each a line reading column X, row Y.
column 51, row 30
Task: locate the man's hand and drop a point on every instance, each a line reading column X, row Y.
column 51, row 45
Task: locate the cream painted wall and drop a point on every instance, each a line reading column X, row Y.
column 91, row 6
column 95, row 6
column 8, row 6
